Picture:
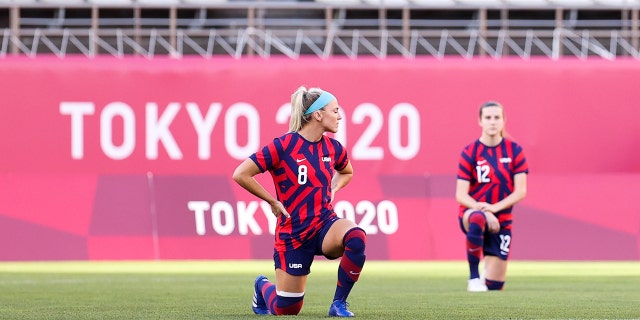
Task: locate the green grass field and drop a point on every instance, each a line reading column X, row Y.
column 386, row 290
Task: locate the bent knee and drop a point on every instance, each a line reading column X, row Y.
column 355, row 239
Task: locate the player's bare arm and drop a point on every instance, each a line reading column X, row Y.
column 463, row 197
column 341, row 179
column 244, row 176
column 519, row 192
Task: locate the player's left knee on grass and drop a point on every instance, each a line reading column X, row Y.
column 494, row 285
column 288, row 304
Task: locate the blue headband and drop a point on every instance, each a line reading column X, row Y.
column 322, row 101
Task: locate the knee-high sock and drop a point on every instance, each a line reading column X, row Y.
column 351, row 263
column 475, row 241
column 281, row 303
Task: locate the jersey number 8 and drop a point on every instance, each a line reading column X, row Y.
column 302, row 174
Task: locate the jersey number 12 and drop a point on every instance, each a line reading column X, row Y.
column 483, row 173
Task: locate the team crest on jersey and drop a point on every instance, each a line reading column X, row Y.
column 326, row 159
column 505, row 160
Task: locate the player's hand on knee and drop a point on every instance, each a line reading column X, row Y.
column 492, row 222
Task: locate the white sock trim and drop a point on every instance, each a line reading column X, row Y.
column 289, row 294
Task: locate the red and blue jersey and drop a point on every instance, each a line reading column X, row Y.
column 302, row 172
column 490, row 172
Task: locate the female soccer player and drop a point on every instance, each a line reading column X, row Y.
column 492, row 177
column 307, row 168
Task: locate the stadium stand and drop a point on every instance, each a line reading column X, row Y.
column 497, row 28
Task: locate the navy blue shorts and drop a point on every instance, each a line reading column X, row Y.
column 495, row 244
column 298, row 262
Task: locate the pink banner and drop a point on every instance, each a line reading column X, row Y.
column 131, row 158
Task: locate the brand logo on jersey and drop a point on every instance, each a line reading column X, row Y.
column 326, row 159
column 481, row 162
column 300, row 160
column 505, row 160
column 295, row 265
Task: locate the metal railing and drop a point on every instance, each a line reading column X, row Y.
column 311, row 28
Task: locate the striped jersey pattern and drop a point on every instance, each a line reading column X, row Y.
column 490, row 172
column 302, row 172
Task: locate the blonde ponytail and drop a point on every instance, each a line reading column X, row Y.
column 301, row 99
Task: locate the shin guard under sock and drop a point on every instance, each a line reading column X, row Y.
column 351, row 263
column 475, row 241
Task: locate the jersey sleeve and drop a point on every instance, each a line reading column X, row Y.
column 520, row 161
column 465, row 164
column 342, row 159
column 269, row 156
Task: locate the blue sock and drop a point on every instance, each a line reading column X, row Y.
column 351, row 263
column 268, row 290
column 475, row 242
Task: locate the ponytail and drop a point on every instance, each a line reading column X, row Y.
column 301, row 100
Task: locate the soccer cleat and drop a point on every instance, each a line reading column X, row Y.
column 258, row 304
column 476, row 285
column 339, row 309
